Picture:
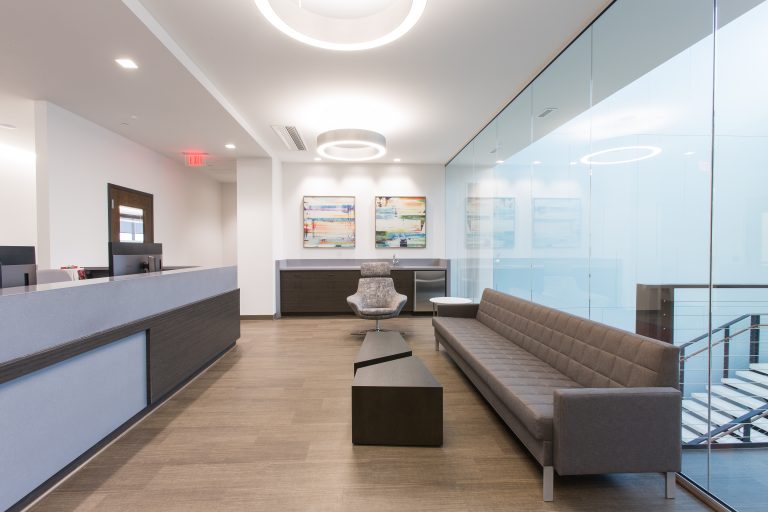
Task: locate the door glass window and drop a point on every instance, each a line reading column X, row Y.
column 131, row 224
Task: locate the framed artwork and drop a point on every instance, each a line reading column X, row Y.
column 490, row 222
column 329, row 222
column 401, row 222
column 556, row 223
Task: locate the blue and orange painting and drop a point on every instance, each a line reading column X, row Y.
column 329, row 222
column 401, row 222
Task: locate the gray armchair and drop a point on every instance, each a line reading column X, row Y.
column 376, row 297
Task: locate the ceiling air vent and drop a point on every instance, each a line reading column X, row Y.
column 290, row 137
column 547, row 111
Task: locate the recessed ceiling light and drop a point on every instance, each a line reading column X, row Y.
column 127, row 64
column 397, row 159
column 351, row 145
column 7, row 126
column 230, row 146
column 645, row 152
column 499, row 161
column 536, row 162
column 689, row 153
column 318, row 159
column 574, row 163
column 343, row 25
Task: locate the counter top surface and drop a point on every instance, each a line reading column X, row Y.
column 19, row 290
column 36, row 318
column 354, row 264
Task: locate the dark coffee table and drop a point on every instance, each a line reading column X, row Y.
column 379, row 347
column 397, row 403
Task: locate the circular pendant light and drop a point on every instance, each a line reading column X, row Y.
column 343, row 25
column 351, row 145
column 622, row 155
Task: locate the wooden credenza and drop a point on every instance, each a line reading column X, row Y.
column 326, row 291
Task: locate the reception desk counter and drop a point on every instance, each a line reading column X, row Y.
column 81, row 361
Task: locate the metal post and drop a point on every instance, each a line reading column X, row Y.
column 726, row 352
column 754, row 339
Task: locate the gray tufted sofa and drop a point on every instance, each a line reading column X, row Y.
column 583, row 397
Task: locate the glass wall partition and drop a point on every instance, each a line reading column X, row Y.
column 627, row 184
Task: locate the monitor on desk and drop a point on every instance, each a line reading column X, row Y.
column 126, row 258
column 17, row 266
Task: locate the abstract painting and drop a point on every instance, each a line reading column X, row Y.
column 401, row 222
column 329, row 222
column 556, row 223
column 490, row 223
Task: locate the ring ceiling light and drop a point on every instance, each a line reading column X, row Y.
column 634, row 154
column 343, row 25
column 351, row 145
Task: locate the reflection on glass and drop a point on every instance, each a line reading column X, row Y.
column 629, row 210
column 131, row 224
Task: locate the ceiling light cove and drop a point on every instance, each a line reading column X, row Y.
column 622, row 155
column 343, row 25
column 351, row 145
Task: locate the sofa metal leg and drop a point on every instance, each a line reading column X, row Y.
column 549, row 483
column 671, row 477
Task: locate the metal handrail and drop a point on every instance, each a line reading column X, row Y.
column 713, row 331
column 725, row 339
column 743, row 421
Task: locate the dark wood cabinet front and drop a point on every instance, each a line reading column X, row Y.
column 326, row 291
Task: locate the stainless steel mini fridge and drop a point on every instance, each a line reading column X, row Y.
column 427, row 284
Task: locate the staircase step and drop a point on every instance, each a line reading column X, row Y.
column 720, row 405
column 695, row 424
column 700, row 410
column 752, row 390
column 727, row 407
column 737, row 397
column 756, row 377
column 688, row 435
column 759, row 367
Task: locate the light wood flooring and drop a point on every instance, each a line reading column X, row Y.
column 268, row 428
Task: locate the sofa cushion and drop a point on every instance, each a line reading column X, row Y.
column 521, row 381
column 590, row 353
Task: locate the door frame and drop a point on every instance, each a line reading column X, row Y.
column 113, row 193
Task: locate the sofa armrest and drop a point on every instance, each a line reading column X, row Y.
column 616, row 430
column 458, row 310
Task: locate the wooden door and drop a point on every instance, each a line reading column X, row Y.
column 131, row 216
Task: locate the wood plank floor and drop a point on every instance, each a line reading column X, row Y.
column 268, row 428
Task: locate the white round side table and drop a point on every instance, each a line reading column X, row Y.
column 447, row 300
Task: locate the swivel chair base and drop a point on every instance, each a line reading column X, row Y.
column 375, row 329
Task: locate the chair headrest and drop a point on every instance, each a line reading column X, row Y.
column 374, row 269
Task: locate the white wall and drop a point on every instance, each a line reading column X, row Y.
column 229, row 223
column 17, row 172
column 258, row 220
column 364, row 181
column 76, row 160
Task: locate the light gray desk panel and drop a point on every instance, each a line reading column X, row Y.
column 40, row 317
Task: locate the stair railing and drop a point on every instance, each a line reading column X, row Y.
column 754, row 343
column 742, row 422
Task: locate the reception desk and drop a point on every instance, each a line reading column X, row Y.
column 81, row 361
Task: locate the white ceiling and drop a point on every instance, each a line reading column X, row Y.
column 223, row 74
column 428, row 92
column 64, row 52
